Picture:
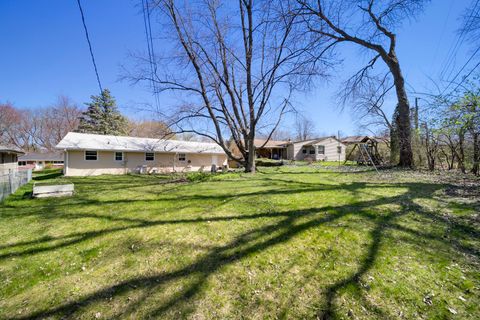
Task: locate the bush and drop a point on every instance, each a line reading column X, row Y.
column 198, row 176
column 268, row 163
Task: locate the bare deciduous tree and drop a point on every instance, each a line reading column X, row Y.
column 431, row 141
column 471, row 21
column 369, row 24
column 9, row 121
column 58, row 120
column 236, row 65
column 368, row 104
column 304, row 127
column 39, row 129
column 149, row 129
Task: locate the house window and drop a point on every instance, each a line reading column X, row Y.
column 339, row 149
column 91, row 155
column 321, row 149
column 118, row 156
column 182, row 157
column 312, row 151
column 149, row 156
column 57, row 162
column 304, row 150
column 22, row 163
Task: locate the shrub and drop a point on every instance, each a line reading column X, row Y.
column 268, row 163
column 198, row 176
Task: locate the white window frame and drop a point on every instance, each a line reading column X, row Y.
column 318, row 149
column 115, row 156
column 184, row 157
column 85, row 155
column 339, row 149
column 149, row 153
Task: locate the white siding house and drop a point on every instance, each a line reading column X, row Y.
column 322, row 149
column 319, row 149
column 93, row 154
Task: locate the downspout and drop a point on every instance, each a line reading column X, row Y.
column 125, row 167
column 174, row 157
column 65, row 164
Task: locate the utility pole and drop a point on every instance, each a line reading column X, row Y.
column 416, row 114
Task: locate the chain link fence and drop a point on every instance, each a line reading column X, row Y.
column 9, row 183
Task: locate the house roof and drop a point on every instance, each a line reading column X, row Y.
column 42, row 156
column 282, row 144
column 316, row 140
column 87, row 141
column 270, row 144
column 10, row 149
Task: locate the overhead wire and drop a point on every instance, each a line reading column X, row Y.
column 449, row 63
column 90, row 46
column 151, row 51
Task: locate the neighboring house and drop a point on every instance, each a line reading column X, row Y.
column 8, row 159
column 272, row 149
column 93, row 154
column 38, row 161
column 318, row 149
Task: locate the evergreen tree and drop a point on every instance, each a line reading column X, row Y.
column 102, row 116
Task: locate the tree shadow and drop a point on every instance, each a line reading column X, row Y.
column 48, row 176
column 287, row 225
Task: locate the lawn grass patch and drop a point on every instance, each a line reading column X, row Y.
column 289, row 242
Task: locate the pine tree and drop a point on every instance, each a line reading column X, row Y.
column 102, row 116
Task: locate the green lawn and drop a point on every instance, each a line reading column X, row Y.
column 289, row 242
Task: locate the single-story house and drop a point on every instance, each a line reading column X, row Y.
column 318, row 149
column 271, row 149
column 40, row 160
column 9, row 158
column 94, row 154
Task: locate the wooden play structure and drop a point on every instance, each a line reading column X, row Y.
column 366, row 150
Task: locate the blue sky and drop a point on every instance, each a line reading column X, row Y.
column 44, row 54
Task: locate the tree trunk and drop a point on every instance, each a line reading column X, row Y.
column 452, row 154
column 476, row 154
column 394, row 148
column 431, row 162
column 403, row 111
column 461, row 151
column 250, row 160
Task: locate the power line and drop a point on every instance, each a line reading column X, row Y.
column 461, row 69
column 466, row 77
column 441, row 36
column 449, row 61
column 90, row 46
column 150, row 48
